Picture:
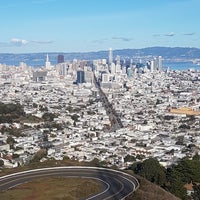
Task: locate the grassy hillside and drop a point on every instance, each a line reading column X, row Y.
column 53, row 189
column 148, row 190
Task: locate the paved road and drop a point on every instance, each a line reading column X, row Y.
column 113, row 116
column 115, row 185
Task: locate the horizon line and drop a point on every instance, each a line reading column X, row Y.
column 78, row 52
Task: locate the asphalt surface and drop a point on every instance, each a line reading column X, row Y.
column 115, row 185
column 113, row 116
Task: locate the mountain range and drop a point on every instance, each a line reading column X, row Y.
column 38, row 59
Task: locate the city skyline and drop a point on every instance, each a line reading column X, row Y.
column 83, row 26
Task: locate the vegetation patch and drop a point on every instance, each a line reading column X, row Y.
column 174, row 178
column 9, row 113
column 148, row 190
column 53, row 189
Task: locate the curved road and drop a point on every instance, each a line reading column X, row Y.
column 116, row 185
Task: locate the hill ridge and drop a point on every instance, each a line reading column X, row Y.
column 38, row 59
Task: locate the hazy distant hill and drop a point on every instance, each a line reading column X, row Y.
column 38, row 59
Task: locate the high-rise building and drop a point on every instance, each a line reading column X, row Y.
column 105, row 77
column 129, row 72
column 103, row 61
column 117, row 60
column 112, row 68
column 152, row 65
column 124, row 69
column 88, row 76
column 160, row 63
column 47, row 63
column 60, row 59
column 80, row 76
column 63, row 68
column 118, row 68
column 155, row 63
column 110, row 57
column 40, row 76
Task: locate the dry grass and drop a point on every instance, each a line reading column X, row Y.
column 187, row 111
column 148, row 190
column 36, row 165
column 53, row 189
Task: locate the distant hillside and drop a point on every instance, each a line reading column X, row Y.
column 38, row 59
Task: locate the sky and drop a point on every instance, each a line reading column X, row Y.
column 29, row 26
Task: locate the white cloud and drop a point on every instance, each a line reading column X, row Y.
column 21, row 42
column 171, row 34
column 156, row 35
column 18, row 42
column 125, row 39
column 188, row 34
column 41, row 42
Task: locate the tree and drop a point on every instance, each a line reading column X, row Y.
column 75, row 117
column 129, row 158
column 196, row 194
column 145, row 122
column 10, row 140
column 140, row 156
column 152, row 171
column 66, row 158
column 185, row 171
column 49, row 116
column 1, row 163
column 180, row 140
column 45, row 137
column 175, row 183
column 184, row 126
column 69, row 108
column 15, row 156
column 10, row 112
column 97, row 163
column 158, row 101
column 196, row 157
column 39, row 155
column 43, row 108
column 168, row 117
column 35, row 105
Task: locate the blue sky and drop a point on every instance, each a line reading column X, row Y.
column 92, row 25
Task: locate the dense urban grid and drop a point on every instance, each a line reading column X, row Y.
column 117, row 111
